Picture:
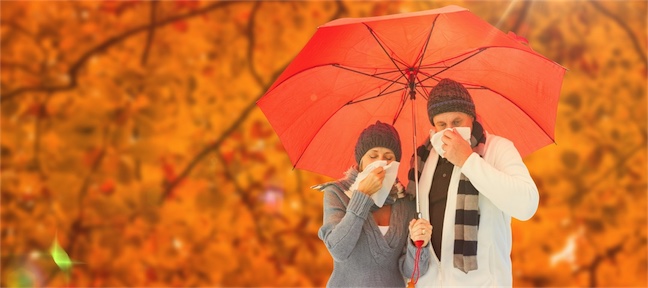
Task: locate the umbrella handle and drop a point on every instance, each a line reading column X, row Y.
column 416, row 273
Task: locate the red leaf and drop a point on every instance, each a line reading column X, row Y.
column 168, row 171
column 91, row 156
column 259, row 130
column 151, row 275
column 190, row 4
column 236, row 135
column 228, row 157
column 45, row 192
column 107, row 187
column 181, row 25
column 117, row 7
column 270, row 173
column 257, row 156
column 208, row 71
column 37, row 110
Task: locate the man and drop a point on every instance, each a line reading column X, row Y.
column 469, row 194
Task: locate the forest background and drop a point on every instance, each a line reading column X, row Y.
column 131, row 143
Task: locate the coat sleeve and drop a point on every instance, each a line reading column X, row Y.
column 506, row 182
column 342, row 226
column 407, row 259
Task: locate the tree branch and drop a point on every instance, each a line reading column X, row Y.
column 591, row 269
column 239, row 190
column 19, row 66
column 76, row 66
column 251, row 41
column 151, row 32
column 244, row 114
column 635, row 42
column 77, row 227
column 37, row 135
column 247, row 201
column 171, row 185
column 620, row 161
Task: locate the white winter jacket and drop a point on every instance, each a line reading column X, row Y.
column 505, row 190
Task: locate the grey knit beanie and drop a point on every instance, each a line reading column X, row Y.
column 378, row 135
column 449, row 96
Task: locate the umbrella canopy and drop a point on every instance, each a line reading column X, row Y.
column 355, row 71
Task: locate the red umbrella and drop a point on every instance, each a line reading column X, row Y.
column 354, row 71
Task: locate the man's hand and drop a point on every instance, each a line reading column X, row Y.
column 457, row 150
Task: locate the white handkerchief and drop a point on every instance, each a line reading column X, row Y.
column 391, row 171
column 436, row 138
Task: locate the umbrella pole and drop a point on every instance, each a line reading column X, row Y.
column 418, row 243
column 412, row 93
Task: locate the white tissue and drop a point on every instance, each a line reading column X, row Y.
column 436, row 138
column 391, row 171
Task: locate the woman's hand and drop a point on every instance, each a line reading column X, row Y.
column 420, row 229
column 373, row 182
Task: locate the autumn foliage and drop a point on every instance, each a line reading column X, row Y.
column 133, row 154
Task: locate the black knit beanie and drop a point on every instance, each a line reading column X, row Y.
column 449, row 96
column 378, row 135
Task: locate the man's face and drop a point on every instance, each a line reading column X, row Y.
column 451, row 120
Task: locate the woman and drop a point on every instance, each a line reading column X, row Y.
column 369, row 244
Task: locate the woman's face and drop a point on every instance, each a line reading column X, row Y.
column 375, row 154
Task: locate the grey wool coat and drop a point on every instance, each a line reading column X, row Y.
column 362, row 256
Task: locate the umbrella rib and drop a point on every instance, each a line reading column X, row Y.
column 401, row 106
column 480, row 50
column 425, row 92
column 371, row 31
column 367, row 74
column 516, row 105
column 418, row 69
column 390, row 81
column 376, row 96
column 427, row 42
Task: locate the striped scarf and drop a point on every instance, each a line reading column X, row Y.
column 467, row 210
